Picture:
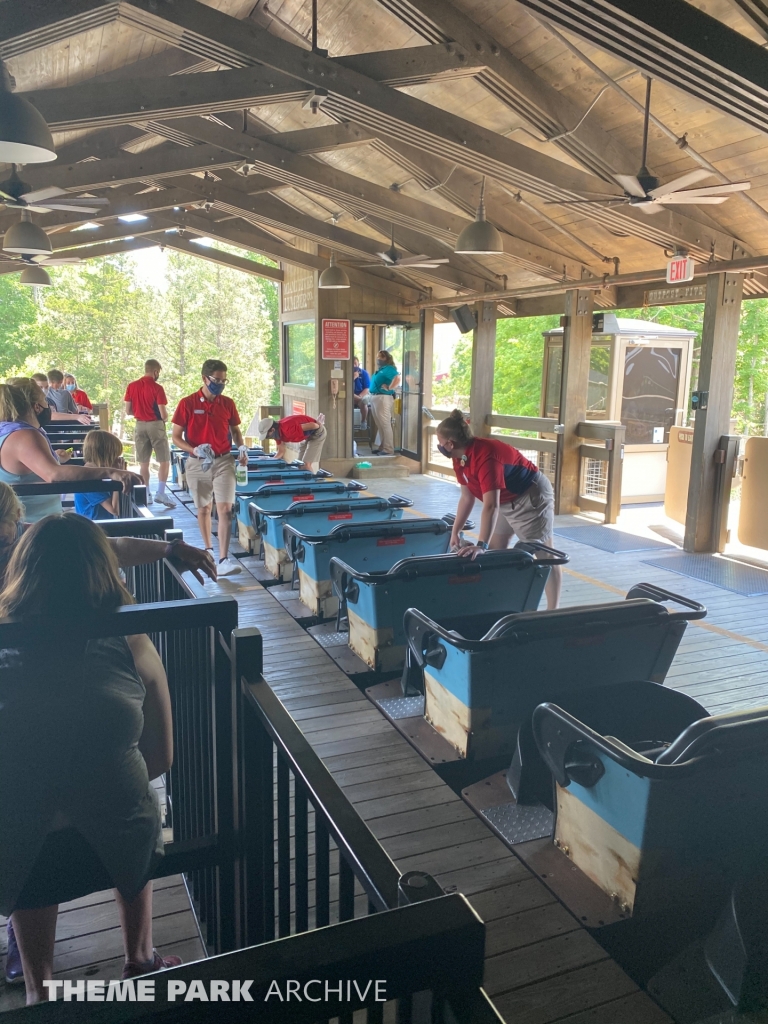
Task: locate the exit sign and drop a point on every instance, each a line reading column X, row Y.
column 680, row 270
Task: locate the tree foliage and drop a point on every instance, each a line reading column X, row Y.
column 101, row 323
column 520, row 349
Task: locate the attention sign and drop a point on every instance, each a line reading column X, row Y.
column 680, row 270
column 335, row 339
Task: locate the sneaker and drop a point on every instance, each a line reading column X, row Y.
column 14, row 972
column 165, row 499
column 228, row 567
column 134, row 969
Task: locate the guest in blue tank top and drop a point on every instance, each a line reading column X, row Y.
column 26, row 456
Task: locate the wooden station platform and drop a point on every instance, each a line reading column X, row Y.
column 542, row 967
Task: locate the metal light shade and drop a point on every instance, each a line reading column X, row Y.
column 480, row 238
column 35, row 275
column 333, row 276
column 24, row 136
column 27, row 238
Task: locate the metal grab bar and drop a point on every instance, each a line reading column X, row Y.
column 655, row 593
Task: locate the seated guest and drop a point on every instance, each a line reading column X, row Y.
column 58, row 397
column 26, row 455
column 104, row 450
column 79, row 747
column 28, row 385
column 129, row 551
column 82, row 401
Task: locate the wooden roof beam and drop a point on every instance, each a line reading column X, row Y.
column 676, row 42
column 512, row 82
column 196, row 27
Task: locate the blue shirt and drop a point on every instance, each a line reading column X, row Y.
column 89, row 505
column 382, row 379
column 363, row 381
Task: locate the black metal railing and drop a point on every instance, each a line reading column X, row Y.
column 417, row 964
column 133, row 503
column 289, row 805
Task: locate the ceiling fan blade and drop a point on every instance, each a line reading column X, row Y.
column 34, row 209
column 685, row 179
column 85, row 210
column 7, row 196
column 414, row 261
column 587, row 202
column 717, row 190
column 43, row 193
column 649, row 207
column 386, row 257
column 683, row 199
column 421, row 263
column 58, row 262
column 631, row 185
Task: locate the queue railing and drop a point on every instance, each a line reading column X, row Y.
column 133, row 503
column 421, row 963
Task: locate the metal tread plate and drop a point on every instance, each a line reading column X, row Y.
column 520, row 823
column 403, row 707
column 338, row 638
column 606, row 539
column 725, row 573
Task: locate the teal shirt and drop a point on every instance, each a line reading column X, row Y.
column 381, row 380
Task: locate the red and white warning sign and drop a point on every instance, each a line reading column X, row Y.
column 335, row 339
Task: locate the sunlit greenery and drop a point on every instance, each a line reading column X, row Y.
column 100, row 322
column 520, row 347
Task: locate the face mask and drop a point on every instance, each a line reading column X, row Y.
column 71, row 387
column 380, row 362
column 215, row 386
column 444, row 451
column 44, row 416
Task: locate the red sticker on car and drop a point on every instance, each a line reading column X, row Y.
column 341, row 515
column 303, row 497
column 465, row 579
column 387, row 542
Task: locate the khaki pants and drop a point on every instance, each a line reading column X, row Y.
column 309, row 450
column 381, row 406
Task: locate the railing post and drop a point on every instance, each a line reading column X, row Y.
column 615, row 466
column 577, row 343
column 725, row 468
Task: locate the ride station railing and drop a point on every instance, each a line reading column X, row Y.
column 601, row 468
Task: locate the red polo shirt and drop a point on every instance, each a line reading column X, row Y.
column 491, row 465
column 145, row 395
column 81, row 398
column 290, row 428
column 207, row 421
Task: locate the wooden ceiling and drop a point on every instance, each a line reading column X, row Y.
column 161, row 106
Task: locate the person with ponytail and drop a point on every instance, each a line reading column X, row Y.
column 517, row 498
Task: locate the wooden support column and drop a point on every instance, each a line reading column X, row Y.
column 577, row 342
column 717, row 368
column 427, row 377
column 483, row 356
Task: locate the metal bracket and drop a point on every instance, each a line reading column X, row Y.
column 583, row 305
column 731, row 289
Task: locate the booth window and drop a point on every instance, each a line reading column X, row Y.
column 649, row 397
column 299, row 341
column 599, row 380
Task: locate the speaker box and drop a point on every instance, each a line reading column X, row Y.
column 464, row 318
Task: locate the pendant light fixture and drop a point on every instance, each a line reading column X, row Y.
column 24, row 136
column 34, row 275
column 27, row 238
column 333, row 276
column 480, row 238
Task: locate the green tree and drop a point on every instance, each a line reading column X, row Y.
column 18, row 309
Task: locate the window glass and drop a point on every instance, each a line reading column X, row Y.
column 649, row 396
column 393, row 343
column 597, row 391
column 300, row 353
column 554, row 378
column 359, row 344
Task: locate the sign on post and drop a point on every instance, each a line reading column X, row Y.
column 680, row 270
column 335, row 336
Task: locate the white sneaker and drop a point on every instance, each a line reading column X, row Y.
column 228, row 567
column 164, row 499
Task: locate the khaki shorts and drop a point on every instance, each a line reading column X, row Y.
column 531, row 516
column 217, row 483
column 309, row 450
column 150, row 436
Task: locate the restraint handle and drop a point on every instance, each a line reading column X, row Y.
column 697, row 611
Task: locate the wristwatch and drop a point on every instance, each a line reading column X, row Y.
column 482, row 544
column 171, row 546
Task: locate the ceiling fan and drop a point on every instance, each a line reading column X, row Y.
column 15, row 194
column 645, row 192
column 392, row 258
